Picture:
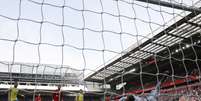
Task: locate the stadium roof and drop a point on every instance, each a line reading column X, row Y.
column 174, row 34
column 39, row 73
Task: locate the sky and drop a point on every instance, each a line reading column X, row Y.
column 93, row 31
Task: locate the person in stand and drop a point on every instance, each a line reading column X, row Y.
column 57, row 95
column 80, row 96
column 38, row 98
column 13, row 92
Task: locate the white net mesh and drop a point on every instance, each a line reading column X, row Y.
column 107, row 48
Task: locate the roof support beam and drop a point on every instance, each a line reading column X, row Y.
column 112, row 70
column 125, row 62
column 177, row 36
column 194, row 24
column 147, row 52
column 172, row 5
column 159, row 44
column 136, row 57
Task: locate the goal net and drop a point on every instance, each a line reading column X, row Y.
column 107, row 48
